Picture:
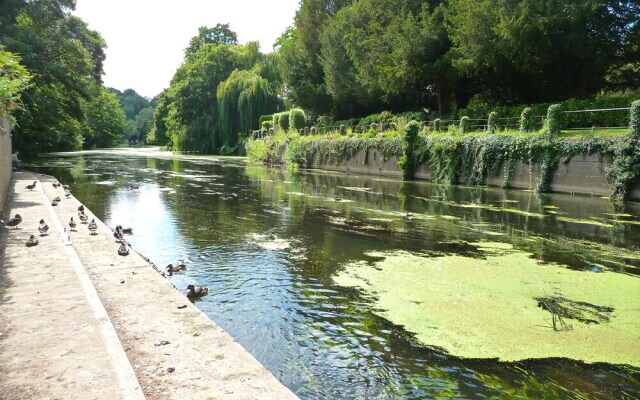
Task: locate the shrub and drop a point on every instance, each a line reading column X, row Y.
column 634, row 121
column 276, row 119
column 407, row 161
column 283, row 121
column 554, row 121
column 492, row 122
column 314, row 130
column 452, row 130
column 343, row 130
column 527, row 121
column 266, row 124
column 265, row 118
column 297, row 118
column 465, row 125
column 437, row 125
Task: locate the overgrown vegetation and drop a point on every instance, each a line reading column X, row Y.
column 470, row 159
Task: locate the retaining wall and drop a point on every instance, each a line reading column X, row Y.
column 584, row 174
column 5, row 160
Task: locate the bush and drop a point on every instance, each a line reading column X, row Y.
column 265, row 118
column 297, row 118
column 343, row 130
column 465, row 125
column 283, row 121
column 276, row 119
column 527, row 121
column 634, row 120
column 266, row 124
column 554, row 122
column 437, row 125
column 492, row 122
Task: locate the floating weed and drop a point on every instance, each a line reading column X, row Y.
column 487, row 308
column 584, row 222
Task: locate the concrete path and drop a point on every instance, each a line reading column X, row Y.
column 56, row 341
column 175, row 350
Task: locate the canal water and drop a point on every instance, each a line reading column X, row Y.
column 269, row 244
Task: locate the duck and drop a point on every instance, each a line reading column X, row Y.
column 32, row 241
column 32, row 186
column 54, row 203
column 67, row 194
column 58, row 199
column 408, row 215
column 81, row 208
column 66, row 187
column 117, row 233
column 194, row 292
column 175, row 268
column 93, row 227
column 56, row 184
column 43, row 228
column 15, row 221
column 72, row 224
column 128, row 231
column 83, row 217
column 123, row 250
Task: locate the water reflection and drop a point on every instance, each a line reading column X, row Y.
column 267, row 243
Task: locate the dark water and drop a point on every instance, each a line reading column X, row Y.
column 266, row 243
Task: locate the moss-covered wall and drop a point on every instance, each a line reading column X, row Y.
column 5, row 160
column 583, row 174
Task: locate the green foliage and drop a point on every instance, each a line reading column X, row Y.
column 437, row 125
column 105, row 120
column 264, row 118
column 283, row 120
column 220, row 34
column 555, row 120
column 242, row 99
column 527, row 121
column 492, row 122
column 634, row 120
column 465, row 125
column 297, row 118
column 14, row 78
column 407, row 162
column 266, row 125
column 65, row 59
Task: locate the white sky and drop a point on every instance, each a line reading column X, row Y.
column 146, row 38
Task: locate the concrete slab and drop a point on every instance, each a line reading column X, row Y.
column 54, row 341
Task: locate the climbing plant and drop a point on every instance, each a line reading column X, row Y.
column 407, row 161
column 554, row 121
column 492, row 122
column 634, row 123
column 527, row 121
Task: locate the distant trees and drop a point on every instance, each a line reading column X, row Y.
column 138, row 111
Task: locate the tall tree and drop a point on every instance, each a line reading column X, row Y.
column 219, row 34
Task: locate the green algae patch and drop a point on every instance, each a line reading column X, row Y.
column 584, row 222
column 487, row 308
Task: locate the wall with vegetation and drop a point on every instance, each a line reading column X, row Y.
column 5, row 160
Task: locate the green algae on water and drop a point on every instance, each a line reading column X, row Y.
column 486, row 308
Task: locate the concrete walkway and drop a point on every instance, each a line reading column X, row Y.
column 56, row 341
column 175, row 350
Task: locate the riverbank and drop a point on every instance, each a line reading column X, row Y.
column 174, row 350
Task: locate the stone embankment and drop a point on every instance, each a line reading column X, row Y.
column 81, row 322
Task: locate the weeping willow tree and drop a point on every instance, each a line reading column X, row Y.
column 242, row 99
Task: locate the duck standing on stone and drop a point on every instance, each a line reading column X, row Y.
column 32, row 241
column 54, row 202
column 83, row 217
column 32, row 186
column 43, row 228
column 93, row 227
column 72, row 224
column 81, row 209
column 15, row 221
column 123, row 250
column 194, row 292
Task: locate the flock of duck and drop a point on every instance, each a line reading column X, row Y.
column 192, row 292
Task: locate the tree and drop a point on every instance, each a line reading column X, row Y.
column 219, row 34
column 105, row 120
